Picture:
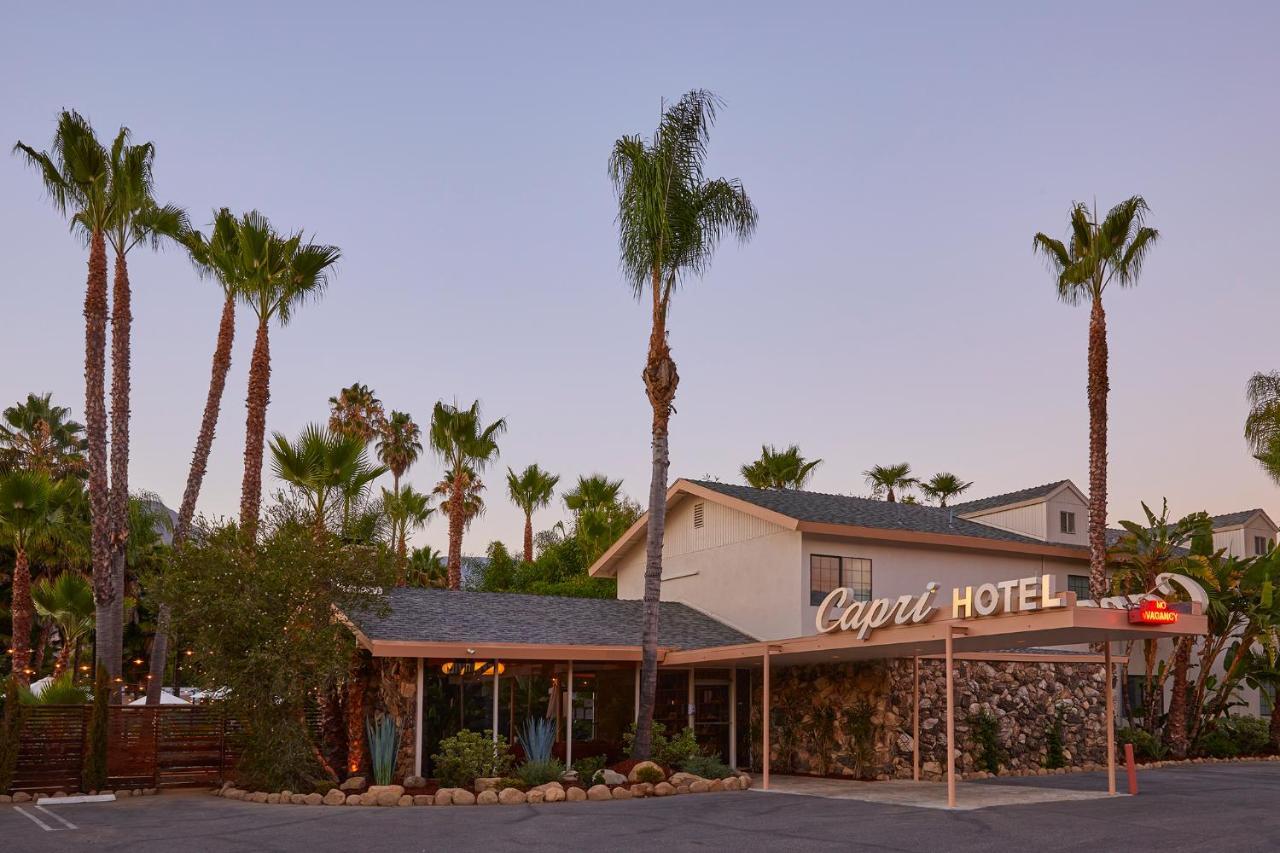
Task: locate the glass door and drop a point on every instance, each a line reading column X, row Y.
column 711, row 717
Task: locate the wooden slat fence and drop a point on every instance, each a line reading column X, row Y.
column 164, row 746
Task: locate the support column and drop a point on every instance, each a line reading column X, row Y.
column 635, row 717
column 915, row 720
column 951, row 722
column 765, row 723
column 1111, row 720
column 689, row 709
column 733, row 718
column 568, row 722
column 417, row 725
column 497, row 696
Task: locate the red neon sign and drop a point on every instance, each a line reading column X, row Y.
column 1153, row 611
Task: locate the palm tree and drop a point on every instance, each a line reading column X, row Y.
column 942, row 487
column 356, row 411
column 466, row 445
column 428, row 569
column 274, row 276
column 77, row 176
column 39, row 436
column 591, row 492
column 324, row 466
column 407, row 510
column 531, row 489
column 1262, row 425
column 66, row 600
column 670, row 221
column 1095, row 255
column 399, row 445
column 30, row 505
column 884, row 479
column 787, row 469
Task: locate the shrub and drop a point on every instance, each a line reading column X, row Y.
column 61, row 691
column 588, row 768
column 324, row 786
column 706, row 766
column 512, row 782
column 986, row 737
column 1217, row 743
column 94, row 773
column 537, row 736
column 860, row 738
column 10, row 731
column 670, row 752
column 652, row 775
column 1054, row 754
column 1250, row 734
column 470, row 755
column 534, row 773
column 1145, row 744
column 384, row 744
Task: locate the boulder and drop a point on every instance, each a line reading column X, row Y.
column 335, row 797
column 642, row 789
column 487, row 783
column 387, row 798
column 569, row 776
column 274, row 799
column 679, row 779
column 463, row 797
column 731, row 784
column 611, row 777
column 547, row 786
column 701, row 786
column 22, row 797
column 405, row 800
column 599, row 792
column 137, row 792
column 368, row 800
column 313, row 799
column 258, row 797
column 422, row 799
column 285, row 795
column 575, row 795
column 664, row 789
column 745, row 779
column 120, row 795
column 443, row 797
column 355, row 783
column 634, row 775
column 353, row 799
column 487, row 797
column 385, row 789
column 554, row 795
column 535, row 797
column 298, row 799
column 682, row 789
column 715, row 785
column 415, row 782
column 511, row 796
column 621, row 793
column 5, row 798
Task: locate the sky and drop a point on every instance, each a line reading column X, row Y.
column 888, row 308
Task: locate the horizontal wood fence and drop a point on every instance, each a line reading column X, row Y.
column 147, row 747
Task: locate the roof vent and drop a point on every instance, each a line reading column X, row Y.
column 697, row 515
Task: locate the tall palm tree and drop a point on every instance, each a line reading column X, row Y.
column 466, row 445
column 357, row 411
column 407, row 510
column 66, row 600
column 1095, row 255
column 31, row 504
column 1262, row 425
column 671, row 218
column 325, row 466
column 531, row 490
column 37, row 435
column 888, row 480
column 399, row 445
column 76, row 172
column 786, row 469
column 428, row 569
column 275, row 275
column 596, row 490
column 943, row 486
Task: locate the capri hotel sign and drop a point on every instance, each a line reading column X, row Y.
column 839, row 612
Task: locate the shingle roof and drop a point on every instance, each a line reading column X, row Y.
column 1230, row 519
column 455, row 616
column 864, row 512
column 1008, row 498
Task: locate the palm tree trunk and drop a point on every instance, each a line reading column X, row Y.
column 1274, row 729
column 64, row 659
column 1152, row 694
column 528, row 537
column 195, row 478
column 402, row 557
column 1176, row 729
column 660, row 380
column 22, row 616
column 1098, row 386
column 42, row 644
column 108, row 645
column 121, row 357
column 456, row 512
column 255, row 431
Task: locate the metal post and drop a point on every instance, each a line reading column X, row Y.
column 568, row 737
column 951, row 724
column 417, row 726
column 915, row 720
column 733, row 718
column 497, row 694
column 764, row 782
column 1111, row 721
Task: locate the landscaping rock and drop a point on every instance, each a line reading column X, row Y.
column 553, row 795
column 258, row 797
column 701, row 786
column 415, row 782
column 682, row 789
column 535, row 797
column 57, row 794
column 634, row 775
column 611, row 777
column 547, row 786
column 233, row 794
column 355, row 783
column 385, row 789
column 386, row 798
column 120, row 795
column 745, row 779
column 715, row 785
column 335, row 797
column 137, row 792
column 422, row 799
column 664, row 789
column 313, row 799
column 298, row 799
column 621, row 793
column 642, row 789
column 405, row 800
column 732, row 784
column 569, row 776
column 285, row 796
column 463, row 797
column 511, row 796
column 22, row 797
column 487, row 783
column 5, row 798
column 575, row 795
column 487, row 797
column 353, row 799
column 679, row 779
column 599, row 792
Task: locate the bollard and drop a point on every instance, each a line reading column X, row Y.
column 1133, row 771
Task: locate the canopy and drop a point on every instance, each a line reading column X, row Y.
column 166, row 698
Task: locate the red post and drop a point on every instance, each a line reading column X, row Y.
column 1133, row 770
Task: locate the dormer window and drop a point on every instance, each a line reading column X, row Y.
column 1261, row 545
column 1067, row 522
column 698, row 517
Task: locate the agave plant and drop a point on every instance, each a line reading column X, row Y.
column 536, row 737
column 384, row 743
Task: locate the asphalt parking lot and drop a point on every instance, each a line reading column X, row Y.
column 1232, row 807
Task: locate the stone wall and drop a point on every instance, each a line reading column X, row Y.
column 817, row 710
column 389, row 688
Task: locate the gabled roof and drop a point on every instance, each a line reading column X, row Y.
column 442, row 616
column 1237, row 519
column 1033, row 493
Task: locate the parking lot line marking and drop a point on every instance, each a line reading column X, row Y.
column 59, row 818
column 37, row 821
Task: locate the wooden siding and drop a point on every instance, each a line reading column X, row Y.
column 721, row 526
column 1030, row 520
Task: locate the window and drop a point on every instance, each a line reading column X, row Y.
column 1067, row 522
column 1079, row 584
column 1137, row 695
column 1261, row 545
column 827, row 573
column 697, row 515
column 1267, row 700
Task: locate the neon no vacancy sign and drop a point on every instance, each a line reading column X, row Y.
column 1152, row 611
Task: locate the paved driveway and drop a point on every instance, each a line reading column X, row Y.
column 1201, row 808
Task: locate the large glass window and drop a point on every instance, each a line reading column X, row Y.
column 1079, row 584
column 827, row 573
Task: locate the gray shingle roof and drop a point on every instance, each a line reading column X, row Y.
column 455, row 616
column 1008, row 498
column 1230, row 519
column 864, row 512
